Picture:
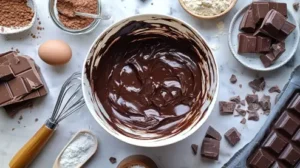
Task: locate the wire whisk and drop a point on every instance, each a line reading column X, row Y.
column 70, row 99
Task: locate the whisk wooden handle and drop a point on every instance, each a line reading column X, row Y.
column 32, row 148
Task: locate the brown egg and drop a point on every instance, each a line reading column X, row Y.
column 55, row 52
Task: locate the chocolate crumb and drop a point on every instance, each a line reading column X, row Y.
column 253, row 115
column 232, row 136
column 265, row 103
column 236, row 99
column 274, row 89
column 13, row 129
column 258, row 84
column 296, row 6
column 19, row 122
column 241, row 112
column 233, row 79
column 194, row 149
column 113, row 160
column 243, row 121
column 21, row 117
column 238, row 106
column 240, row 85
column 36, row 120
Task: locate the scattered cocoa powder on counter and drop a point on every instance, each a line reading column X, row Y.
column 15, row 13
column 67, row 8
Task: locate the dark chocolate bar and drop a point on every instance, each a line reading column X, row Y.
column 247, row 43
column 22, row 83
column 277, row 144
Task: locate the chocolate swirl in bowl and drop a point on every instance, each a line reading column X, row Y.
column 152, row 80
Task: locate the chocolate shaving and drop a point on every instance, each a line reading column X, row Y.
column 274, row 89
column 258, row 84
column 253, row 107
column 194, row 149
column 243, row 102
column 236, row 99
column 233, row 79
column 241, row 112
column 243, row 121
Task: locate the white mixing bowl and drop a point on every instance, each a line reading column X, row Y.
column 210, row 85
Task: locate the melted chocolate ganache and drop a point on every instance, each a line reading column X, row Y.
column 149, row 81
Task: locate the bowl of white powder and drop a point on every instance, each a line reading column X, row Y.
column 207, row 9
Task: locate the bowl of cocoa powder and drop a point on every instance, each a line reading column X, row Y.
column 16, row 16
column 63, row 15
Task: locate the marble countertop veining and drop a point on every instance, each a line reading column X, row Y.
column 178, row 155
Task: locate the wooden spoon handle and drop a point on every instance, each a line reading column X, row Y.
column 32, row 148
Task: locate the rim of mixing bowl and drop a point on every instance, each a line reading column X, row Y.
column 55, row 19
column 151, row 142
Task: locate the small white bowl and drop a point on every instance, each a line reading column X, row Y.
column 14, row 30
column 209, row 66
column 253, row 61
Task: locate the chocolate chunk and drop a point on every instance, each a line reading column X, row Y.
column 295, row 105
column 258, row 84
column 285, row 31
column 247, row 43
column 26, row 83
column 278, row 49
column 194, row 149
column 243, row 121
column 268, row 59
column 113, row 160
column 279, row 7
column 212, row 133
column 252, row 99
column 227, row 107
column 263, row 44
column 272, row 24
column 233, row 136
column 261, row 159
column 233, row 79
column 241, row 112
column 260, row 10
column 274, row 89
column 265, row 103
column 6, row 73
column 210, row 148
column 253, row 107
column 296, row 6
column 236, row 99
column 253, row 115
column 248, row 25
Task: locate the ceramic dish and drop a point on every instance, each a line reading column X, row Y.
column 54, row 16
column 14, row 30
column 210, row 87
column 207, row 17
column 253, row 61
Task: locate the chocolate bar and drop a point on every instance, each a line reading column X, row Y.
column 247, row 43
column 248, row 25
column 21, row 80
column 280, row 7
column 277, row 144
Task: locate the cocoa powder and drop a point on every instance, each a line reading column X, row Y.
column 67, row 8
column 15, row 13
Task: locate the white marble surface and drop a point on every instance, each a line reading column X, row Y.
column 178, row 155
